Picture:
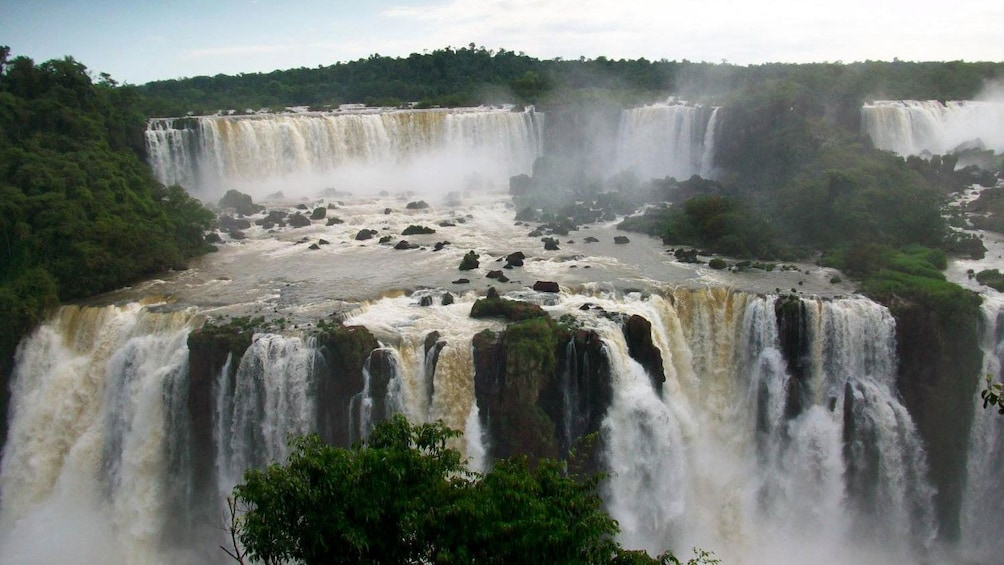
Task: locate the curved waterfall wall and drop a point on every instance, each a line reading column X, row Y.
column 667, row 140
column 341, row 150
column 920, row 127
column 777, row 436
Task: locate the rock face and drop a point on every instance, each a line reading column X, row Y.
column 939, row 374
column 365, row 234
column 540, row 390
column 793, row 335
column 319, row 213
column 417, row 205
column 638, row 334
column 515, row 259
column 345, row 350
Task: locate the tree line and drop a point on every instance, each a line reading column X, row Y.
column 472, row 75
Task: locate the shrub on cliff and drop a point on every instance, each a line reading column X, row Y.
column 405, row 497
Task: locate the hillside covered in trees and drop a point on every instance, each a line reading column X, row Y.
column 475, row 75
column 80, row 212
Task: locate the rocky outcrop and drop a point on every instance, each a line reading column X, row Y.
column 469, row 262
column 638, row 335
column 345, row 350
column 240, row 202
column 939, row 374
column 793, row 335
column 541, row 389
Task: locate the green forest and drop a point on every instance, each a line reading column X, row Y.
column 472, row 75
column 80, row 211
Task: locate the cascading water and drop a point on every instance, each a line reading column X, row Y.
column 269, row 398
column 723, row 459
column 982, row 514
column 344, row 150
column 919, row 127
column 667, row 140
column 89, row 457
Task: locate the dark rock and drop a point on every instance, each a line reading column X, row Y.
column 717, row 264
column 237, row 234
column 621, row 239
column 386, row 238
column 418, row 205
column 314, row 246
column 240, row 202
column 520, row 184
column 447, row 224
column 590, row 239
column 298, row 220
column 686, row 255
column 334, row 220
column 440, row 245
column 365, row 234
column 387, row 211
column 550, row 244
column 638, row 334
column 470, row 261
column 495, row 275
column 403, row 244
column 546, row 286
column 528, row 215
column 462, row 281
column 323, row 242
column 346, row 350
column 515, row 259
column 492, row 294
column 319, row 213
column 425, row 300
column 301, row 207
column 417, row 230
column 447, row 299
column 228, row 223
column 213, row 238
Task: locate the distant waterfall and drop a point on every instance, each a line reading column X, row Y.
column 914, row 127
column 673, row 139
column 344, row 150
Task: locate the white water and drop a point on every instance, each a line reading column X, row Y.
column 424, row 150
column 981, row 513
column 667, row 140
column 87, row 473
column 919, row 127
column 712, row 463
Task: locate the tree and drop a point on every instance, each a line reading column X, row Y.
column 405, row 497
column 993, row 395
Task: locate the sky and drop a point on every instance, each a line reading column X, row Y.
column 137, row 41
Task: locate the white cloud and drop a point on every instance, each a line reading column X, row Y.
column 742, row 31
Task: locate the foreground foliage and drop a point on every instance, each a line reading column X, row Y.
column 405, row 497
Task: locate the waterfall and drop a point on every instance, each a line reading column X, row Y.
column 740, row 453
column 981, row 513
column 269, row 398
column 667, row 140
column 931, row 127
column 722, row 459
column 88, row 458
column 345, row 150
